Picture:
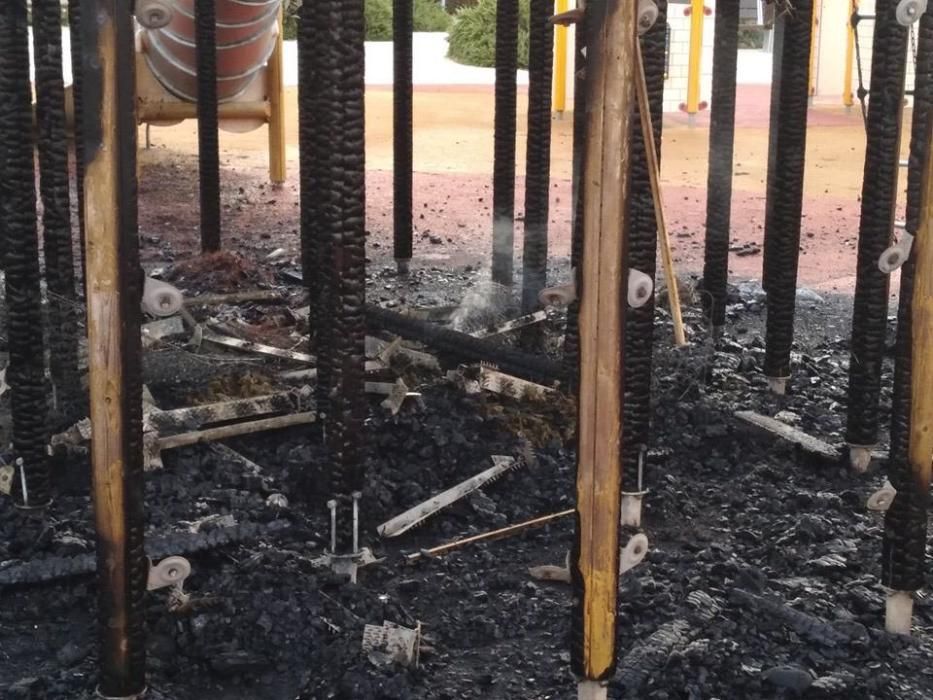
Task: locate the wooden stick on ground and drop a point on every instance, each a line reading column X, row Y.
column 489, row 536
column 654, row 172
column 227, row 431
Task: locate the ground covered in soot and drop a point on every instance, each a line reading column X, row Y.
column 761, row 581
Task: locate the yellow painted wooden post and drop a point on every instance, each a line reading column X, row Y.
column 275, row 89
column 560, row 62
column 697, row 16
column 848, row 97
column 814, row 30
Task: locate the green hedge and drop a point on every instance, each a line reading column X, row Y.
column 429, row 17
column 473, row 35
column 378, row 20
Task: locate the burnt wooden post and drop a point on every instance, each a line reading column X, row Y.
column 602, row 285
column 114, row 289
column 20, row 245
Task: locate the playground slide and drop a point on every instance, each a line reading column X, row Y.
column 246, row 35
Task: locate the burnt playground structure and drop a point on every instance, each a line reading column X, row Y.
column 81, row 315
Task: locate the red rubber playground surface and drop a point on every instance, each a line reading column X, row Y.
column 453, row 164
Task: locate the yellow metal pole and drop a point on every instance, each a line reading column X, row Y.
column 560, row 62
column 817, row 6
column 848, row 98
column 697, row 14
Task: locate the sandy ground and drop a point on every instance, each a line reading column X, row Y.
column 453, row 164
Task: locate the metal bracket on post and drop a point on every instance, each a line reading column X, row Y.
column 640, row 289
column 909, row 11
column 882, row 499
column 153, row 14
column 171, row 572
column 346, row 564
column 860, row 457
column 647, row 15
column 632, row 500
column 161, row 298
column 896, row 255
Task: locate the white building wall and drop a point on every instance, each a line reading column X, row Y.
column 831, row 47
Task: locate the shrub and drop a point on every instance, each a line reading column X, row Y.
column 473, row 34
column 378, row 20
column 430, row 16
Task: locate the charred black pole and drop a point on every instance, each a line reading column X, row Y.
column 905, row 521
column 538, row 159
column 114, row 288
column 402, row 29
column 721, row 155
column 572, row 330
column 782, row 224
column 642, row 256
column 344, row 426
column 77, row 101
column 777, row 63
column 26, row 371
column 56, row 207
column 320, row 113
column 310, row 150
column 503, row 182
column 879, row 200
column 208, row 136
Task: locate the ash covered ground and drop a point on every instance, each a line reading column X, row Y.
column 762, row 578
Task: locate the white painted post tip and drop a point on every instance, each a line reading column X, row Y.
column 778, row 385
column 631, row 510
column 859, row 458
column 592, row 690
column 898, row 613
